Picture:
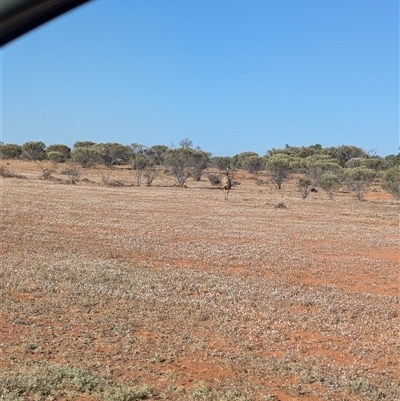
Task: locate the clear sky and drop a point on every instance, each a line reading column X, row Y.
column 231, row 75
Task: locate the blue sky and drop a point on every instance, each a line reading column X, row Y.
column 231, row 75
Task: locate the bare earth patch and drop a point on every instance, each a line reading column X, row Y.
column 170, row 293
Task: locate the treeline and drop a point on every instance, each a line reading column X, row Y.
column 88, row 154
column 324, row 167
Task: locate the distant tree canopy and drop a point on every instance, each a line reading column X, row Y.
column 63, row 149
column 317, row 164
column 86, row 156
column 238, row 160
column 313, row 160
column 342, row 153
column 185, row 162
column 391, row 161
column 253, row 164
column 10, row 151
column 221, row 162
column 280, row 165
column 83, row 144
column 359, row 179
column 157, row 153
column 391, row 181
column 112, row 153
column 33, row 150
column 302, row 152
column 179, row 162
column 200, row 160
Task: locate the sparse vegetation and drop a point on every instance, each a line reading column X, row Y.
column 391, row 181
column 47, row 381
column 120, row 293
column 359, row 179
column 73, row 173
column 304, row 185
column 179, row 162
column 317, row 165
column 253, row 164
column 10, row 151
column 33, row 150
column 330, row 183
column 280, row 166
column 7, row 173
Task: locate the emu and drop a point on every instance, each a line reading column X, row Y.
column 226, row 183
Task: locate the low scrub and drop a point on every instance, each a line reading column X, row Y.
column 391, row 181
column 50, row 382
column 7, row 173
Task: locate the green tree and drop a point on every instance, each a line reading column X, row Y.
column 391, row 181
column 157, row 153
column 280, row 165
column 375, row 163
column 237, row 160
column 304, row 186
column 295, row 151
column 199, row 161
column 318, row 164
column 112, row 153
column 186, row 143
column 86, row 157
column 64, row 149
column 139, row 161
column 221, row 162
column 344, row 153
column 33, row 150
column 84, row 144
column 329, row 182
column 359, row 179
column 179, row 162
column 391, row 161
column 56, row 157
column 253, row 164
column 10, row 151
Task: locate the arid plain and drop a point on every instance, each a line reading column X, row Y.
column 124, row 292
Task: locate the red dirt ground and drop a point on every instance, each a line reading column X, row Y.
column 176, row 289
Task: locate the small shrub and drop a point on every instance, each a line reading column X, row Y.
column 46, row 173
column 56, row 157
column 359, row 179
column 391, row 181
column 329, row 182
column 149, row 174
column 73, row 174
column 7, row 173
column 304, row 186
column 115, row 183
column 281, row 205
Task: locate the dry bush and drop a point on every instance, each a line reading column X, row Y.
column 115, row 183
column 73, row 173
column 7, row 173
column 45, row 172
column 214, row 179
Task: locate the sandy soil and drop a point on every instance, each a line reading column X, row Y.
column 196, row 298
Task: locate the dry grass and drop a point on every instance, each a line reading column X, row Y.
column 177, row 291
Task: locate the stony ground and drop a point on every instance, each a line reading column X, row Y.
column 124, row 292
